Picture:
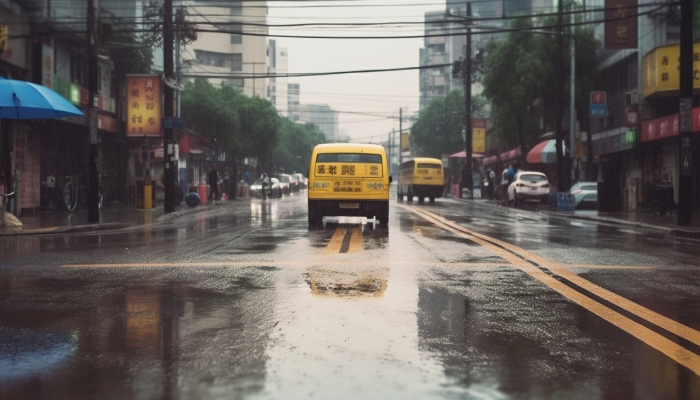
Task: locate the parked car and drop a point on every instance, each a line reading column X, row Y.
column 585, row 195
column 303, row 182
column 286, row 183
column 274, row 191
column 528, row 185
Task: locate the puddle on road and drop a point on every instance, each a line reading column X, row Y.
column 347, row 281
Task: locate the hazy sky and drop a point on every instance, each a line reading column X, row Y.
column 368, row 103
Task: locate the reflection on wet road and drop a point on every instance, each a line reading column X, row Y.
column 247, row 302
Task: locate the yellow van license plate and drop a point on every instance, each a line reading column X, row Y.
column 349, row 205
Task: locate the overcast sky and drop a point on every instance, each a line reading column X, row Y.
column 380, row 94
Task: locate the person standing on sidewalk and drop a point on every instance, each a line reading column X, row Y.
column 492, row 183
column 213, row 181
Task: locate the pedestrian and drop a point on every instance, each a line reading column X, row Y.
column 213, row 181
column 247, row 177
column 492, row 183
column 227, row 186
column 265, row 185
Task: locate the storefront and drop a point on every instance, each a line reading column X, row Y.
column 620, row 169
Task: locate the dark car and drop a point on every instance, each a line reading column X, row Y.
column 303, row 182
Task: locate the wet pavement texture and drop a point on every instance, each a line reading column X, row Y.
column 242, row 300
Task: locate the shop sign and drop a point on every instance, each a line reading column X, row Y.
column 621, row 24
column 479, row 135
column 615, row 143
column 143, row 105
column 661, row 70
column 405, row 142
column 4, row 37
column 47, row 66
column 668, row 126
column 107, row 123
column 631, row 117
column 74, row 94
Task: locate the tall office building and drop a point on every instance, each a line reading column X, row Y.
column 321, row 115
column 233, row 57
column 278, row 65
column 293, row 97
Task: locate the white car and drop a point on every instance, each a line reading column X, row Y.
column 528, row 185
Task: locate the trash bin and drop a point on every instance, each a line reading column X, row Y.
column 202, row 192
column 144, row 194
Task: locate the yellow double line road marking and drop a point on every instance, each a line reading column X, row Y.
column 526, row 261
column 345, row 240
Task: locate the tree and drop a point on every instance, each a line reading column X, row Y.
column 440, row 125
column 296, row 143
column 518, row 80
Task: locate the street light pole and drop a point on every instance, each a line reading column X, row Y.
column 467, row 172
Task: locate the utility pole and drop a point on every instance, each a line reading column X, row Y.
column 93, row 192
column 400, row 135
column 685, row 181
column 168, row 168
column 559, row 132
column 467, row 172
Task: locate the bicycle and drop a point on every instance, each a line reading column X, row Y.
column 71, row 193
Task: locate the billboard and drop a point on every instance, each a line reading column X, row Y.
column 661, row 70
column 621, row 24
column 405, row 142
column 478, row 135
column 143, row 105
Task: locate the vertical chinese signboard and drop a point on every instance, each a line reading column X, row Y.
column 478, row 135
column 621, row 24
column 143, row 105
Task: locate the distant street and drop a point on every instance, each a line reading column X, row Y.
column 456, row 299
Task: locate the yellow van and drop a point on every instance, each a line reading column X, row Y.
column 348, row 179
column 422, row 177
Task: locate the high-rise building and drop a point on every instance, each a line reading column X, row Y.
column 293, row 97
column 321, row 115
column 278, row 65
column 234, row 58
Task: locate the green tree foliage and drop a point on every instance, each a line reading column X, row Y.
column 293, row 151
column 129, row 55
column 520, row 75
column 440, row 125
column 243, row 126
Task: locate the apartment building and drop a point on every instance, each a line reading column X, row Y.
column 228, row 55
column 278, row 65
column 293, row 97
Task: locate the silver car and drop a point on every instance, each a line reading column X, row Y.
column 528, row 185
column 274, row 191
column 585, row 195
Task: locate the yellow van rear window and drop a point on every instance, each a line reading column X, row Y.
column 349, row 158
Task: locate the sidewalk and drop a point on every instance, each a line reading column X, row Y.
column 644, row 219
column 111, row 217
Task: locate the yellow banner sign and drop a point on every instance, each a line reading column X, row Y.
column 3, row 37
column 143, row 105
column 405, row 141
column 661, row 69
column 478, row 140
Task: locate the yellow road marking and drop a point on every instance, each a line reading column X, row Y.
column 355, row 241
column 284, row 264
column 336, row 241
column 646, row 335
column 571, row 266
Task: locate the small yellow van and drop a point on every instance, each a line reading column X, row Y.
column 422, row 177
column 348, row 179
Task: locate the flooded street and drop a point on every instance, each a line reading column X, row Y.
column 454, row 300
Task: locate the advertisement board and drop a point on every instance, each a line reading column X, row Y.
column 661, row 70
column 621, row 24
column 143, row 105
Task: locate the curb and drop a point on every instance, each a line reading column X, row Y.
column 63, row 229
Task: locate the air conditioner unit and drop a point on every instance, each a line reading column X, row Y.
column 631, row 98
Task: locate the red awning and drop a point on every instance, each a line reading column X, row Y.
column 510, row 154
column 463, row 154
column 490, row 160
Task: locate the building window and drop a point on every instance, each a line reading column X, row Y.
column 237, row 7
column 237, row 62
column 237, row 82
column 78, row 69
column 236, row 38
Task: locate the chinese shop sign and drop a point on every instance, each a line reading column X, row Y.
column 661, row 70
column 621, row 24
column 478, row 135
column 143, row 105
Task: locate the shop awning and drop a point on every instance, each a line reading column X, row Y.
column 510, row 154
column 463, row 154
column 490, row 160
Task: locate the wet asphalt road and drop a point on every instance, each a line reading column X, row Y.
column 456, row 300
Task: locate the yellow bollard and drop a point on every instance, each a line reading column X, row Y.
column 147, row 197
